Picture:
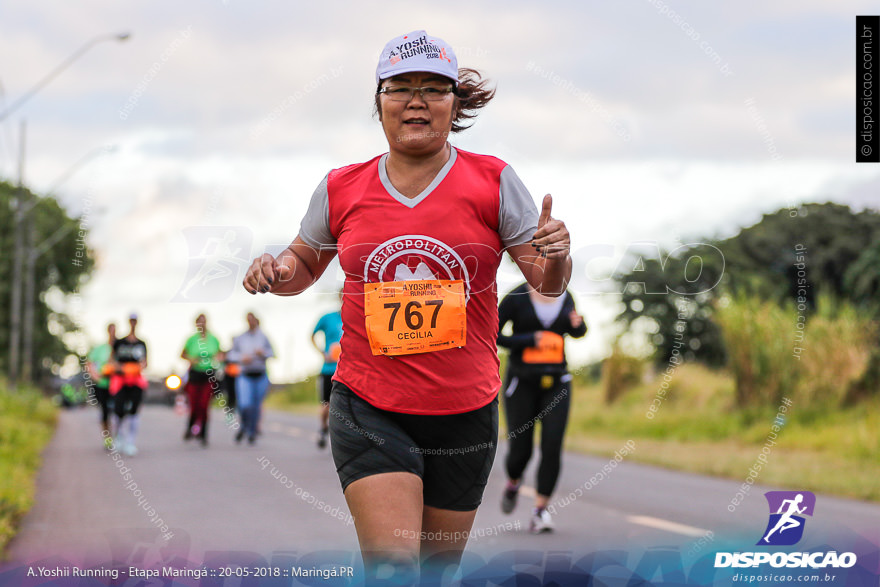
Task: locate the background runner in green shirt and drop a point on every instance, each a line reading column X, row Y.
column 97, row 358
column 202, row 350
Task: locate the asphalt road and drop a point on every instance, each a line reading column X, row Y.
column 280, row 499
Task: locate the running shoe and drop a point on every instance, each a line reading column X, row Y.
column 508, row 498
column 239, row 435
column 322, row 438
column 130, row 449
column 541, row 522
column 108, row 443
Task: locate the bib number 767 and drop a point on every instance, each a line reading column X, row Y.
column 408, row 317
column 411, row 316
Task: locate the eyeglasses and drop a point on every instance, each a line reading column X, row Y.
column 404, row 94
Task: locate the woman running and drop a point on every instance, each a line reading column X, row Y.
column 419, row 232
column 537, row 387
column 100, row 368
column 250, row 350
column 127, row 385
column 202, row 351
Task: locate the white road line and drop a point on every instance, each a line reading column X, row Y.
column 289, row 430
column 648, row 521
column 666, row 525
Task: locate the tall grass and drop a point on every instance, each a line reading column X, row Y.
column 27, row 420
column 776, row 351
column 620, row 371
column 698, row 428
column 758, row 336
column 837, row 347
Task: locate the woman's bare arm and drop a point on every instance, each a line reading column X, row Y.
column 290, row 273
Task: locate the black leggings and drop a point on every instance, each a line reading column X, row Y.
column 127, row 401
column 527, row 400
column 102, row 395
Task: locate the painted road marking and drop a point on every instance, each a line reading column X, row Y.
column 666, row 525
column 288, row 430
column 648, row 521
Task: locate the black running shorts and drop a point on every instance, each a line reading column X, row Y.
column 325, row 383
column 452, row 454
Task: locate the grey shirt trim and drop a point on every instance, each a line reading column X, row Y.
column 314, row 229
column 517, row 213
column 413, row 202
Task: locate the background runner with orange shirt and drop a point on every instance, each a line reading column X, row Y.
column 537, row 388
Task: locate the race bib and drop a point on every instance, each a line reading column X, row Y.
column 551, row 349
column 408, row 317
column 335, row 351
column 131, row 369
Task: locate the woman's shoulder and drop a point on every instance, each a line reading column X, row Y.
column 487, row 161
column 354, row 168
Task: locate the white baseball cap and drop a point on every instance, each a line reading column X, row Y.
column 417, row 51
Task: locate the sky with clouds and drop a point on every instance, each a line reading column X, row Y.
column 649, row 121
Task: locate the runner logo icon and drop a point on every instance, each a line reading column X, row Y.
column 218, row 255
column 786, row 524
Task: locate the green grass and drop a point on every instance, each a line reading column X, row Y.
column 697, row 428
column 300, row 397
column 27, row 420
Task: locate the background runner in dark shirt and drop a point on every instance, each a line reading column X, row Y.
column 537, row 387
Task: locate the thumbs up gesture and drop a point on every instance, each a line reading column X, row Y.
column 551, row 239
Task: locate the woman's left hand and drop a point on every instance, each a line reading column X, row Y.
column 551, row 239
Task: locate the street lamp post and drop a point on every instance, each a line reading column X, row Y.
column 61, row 67
column 21, row 202
column 34, row 252
column 17, row 262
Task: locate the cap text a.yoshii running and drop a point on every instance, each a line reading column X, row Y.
column 417, row 51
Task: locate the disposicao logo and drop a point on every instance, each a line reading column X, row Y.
column 785, row 528
column 786, row 525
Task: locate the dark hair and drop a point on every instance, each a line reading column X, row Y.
column 471, row 95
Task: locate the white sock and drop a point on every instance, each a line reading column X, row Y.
column 133, row 425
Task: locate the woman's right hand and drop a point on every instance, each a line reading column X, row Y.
column 265, row 273
column 294, row 270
